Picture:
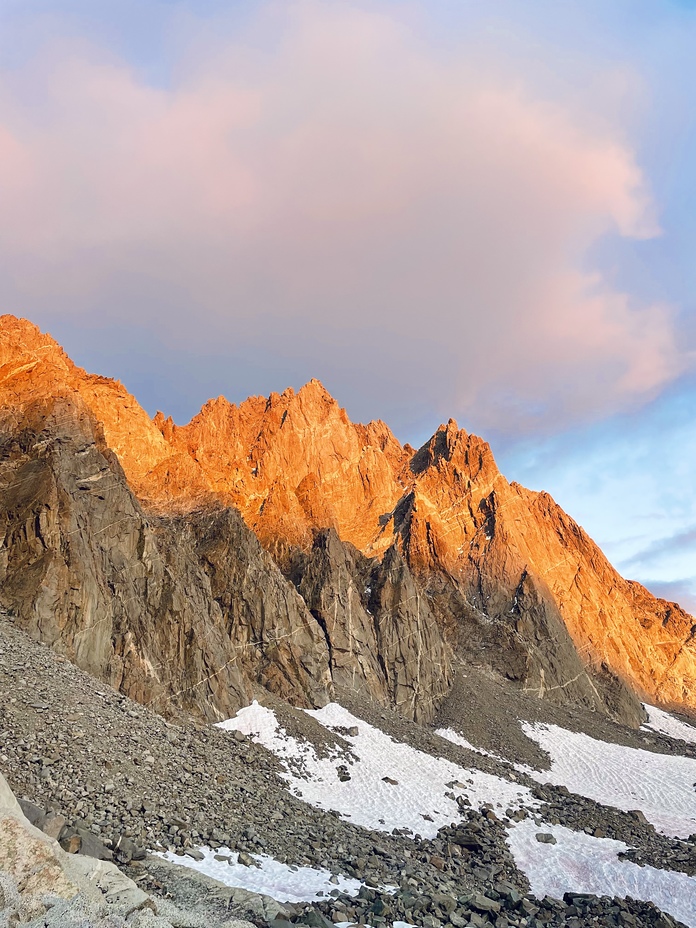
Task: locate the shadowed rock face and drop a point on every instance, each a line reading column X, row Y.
column 181, row 612
column 85, row 571
column 382, row 635
column 121, row 547
column 176, row 611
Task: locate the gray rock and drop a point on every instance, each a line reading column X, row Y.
column 91, row 846
column 33, row 813
column 53, row 825
column 194, row 853
column 125, row 849
column 71, row 843
column 483, row 904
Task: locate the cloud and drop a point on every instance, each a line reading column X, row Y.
column 397, row 220
column 679, row 543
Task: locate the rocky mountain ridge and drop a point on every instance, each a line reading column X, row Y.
column 177, row 611
column 378, row 565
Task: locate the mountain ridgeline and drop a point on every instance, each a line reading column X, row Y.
column 277, row 545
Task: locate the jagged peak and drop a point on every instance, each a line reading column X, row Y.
column 441, row 445
column 315, row 391
column 379, row 427
column 314, row 384
column 312, row 393
column 452, row 445
column 215, row 408
column 378, row 433
column 19, row 325
column 165, row 424
column 312, row 402
column 20, row 338
column 219, row 404
column 452, row 433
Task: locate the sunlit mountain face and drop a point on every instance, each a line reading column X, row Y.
column 361, row 534
column 438, row 211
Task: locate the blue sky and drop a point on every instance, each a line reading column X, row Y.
column 451, row 208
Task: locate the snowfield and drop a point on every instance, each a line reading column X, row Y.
column 582, row 864
column 659, row 785
column 272, row 878
column 415, row 799
column 393, row 785
column 666, row 724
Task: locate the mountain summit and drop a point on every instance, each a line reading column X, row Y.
column 277, row 544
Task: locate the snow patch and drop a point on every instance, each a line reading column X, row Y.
column 666, row 724
column 261, row 724
column 271, row 878
column 449, row 734
column 582, row 864
column 391, row 785
column 659, row 785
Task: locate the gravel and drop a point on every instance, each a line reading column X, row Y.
column 125, row 778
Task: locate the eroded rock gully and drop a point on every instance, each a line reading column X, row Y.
column 276, row 544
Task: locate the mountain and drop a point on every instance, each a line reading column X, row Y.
column 276, row 544
column 179, row 612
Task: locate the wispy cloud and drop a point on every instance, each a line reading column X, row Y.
column 395, row 219
column 676, row 544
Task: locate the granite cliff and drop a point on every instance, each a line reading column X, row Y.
column 277, row 544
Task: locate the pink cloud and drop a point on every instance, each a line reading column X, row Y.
column 354, row 184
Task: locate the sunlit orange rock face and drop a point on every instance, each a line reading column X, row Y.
column 479, row 546
column 294, row 463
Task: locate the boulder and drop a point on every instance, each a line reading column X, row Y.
column 35, row 862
